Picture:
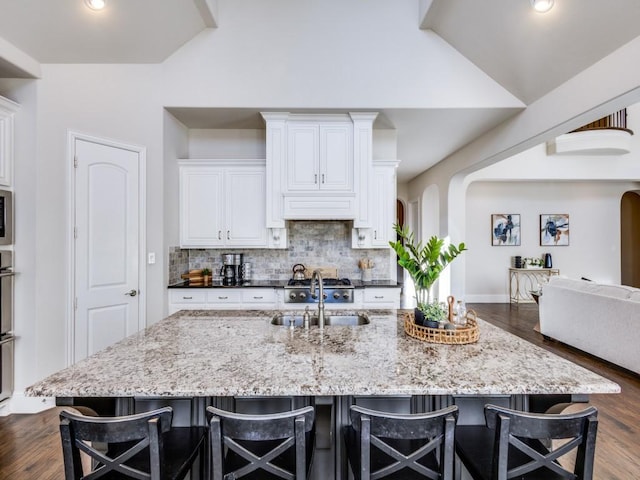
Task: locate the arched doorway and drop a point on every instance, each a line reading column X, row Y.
column 630, row 239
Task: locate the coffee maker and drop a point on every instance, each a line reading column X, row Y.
column 237, row 263
column 231, row 271
column 228, row 270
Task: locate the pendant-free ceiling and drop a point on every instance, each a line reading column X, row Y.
column 95, row 4
column 542, row 6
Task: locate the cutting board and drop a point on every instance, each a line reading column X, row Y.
column 326, row 272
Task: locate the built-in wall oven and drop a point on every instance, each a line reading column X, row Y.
column 6, row 217
column 6, row 324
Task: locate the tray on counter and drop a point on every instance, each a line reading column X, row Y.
column 468, row 333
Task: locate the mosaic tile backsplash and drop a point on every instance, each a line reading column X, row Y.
column 312, row 243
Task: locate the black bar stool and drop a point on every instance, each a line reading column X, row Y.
column 523, row 445
column 401, row 446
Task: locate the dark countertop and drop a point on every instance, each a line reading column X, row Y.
column 283, row 283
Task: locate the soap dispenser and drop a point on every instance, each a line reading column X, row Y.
column 547, row 261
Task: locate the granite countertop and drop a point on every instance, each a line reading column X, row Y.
column 226, row 353
column 283, row 283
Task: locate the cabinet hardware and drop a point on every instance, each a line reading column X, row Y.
column 132, row 293
column 378, row 297
column 375, row 234
column 222, row 298
column 187, row 298
column 219, row 234
column 257, row 298
column 323, row 178
column 228, row 237
column 315, row 178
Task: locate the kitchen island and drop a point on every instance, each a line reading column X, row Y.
column 213, row 355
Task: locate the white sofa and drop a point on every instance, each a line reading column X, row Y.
column 603, row 320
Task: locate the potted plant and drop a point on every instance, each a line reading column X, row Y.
column 424, row 263
column 206, row 274
column 434, row 313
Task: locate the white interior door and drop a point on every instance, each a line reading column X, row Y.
column 107, row 209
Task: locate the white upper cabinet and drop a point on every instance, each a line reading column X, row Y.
column 7, row 110
column 383, row 201
column 320, row 157
column 319, row 166
column 382, row 208
column 222, row 204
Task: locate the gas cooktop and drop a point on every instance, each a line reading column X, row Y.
column 336, row 290
column 326, row 282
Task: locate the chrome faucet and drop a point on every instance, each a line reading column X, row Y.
column 317, row 276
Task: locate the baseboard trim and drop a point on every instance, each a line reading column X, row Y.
column 18, row 403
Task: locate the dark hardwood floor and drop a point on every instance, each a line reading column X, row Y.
column 30, row 444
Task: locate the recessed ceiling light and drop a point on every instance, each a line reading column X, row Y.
column 95, row 4
column 542, row 6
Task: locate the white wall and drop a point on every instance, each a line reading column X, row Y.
column 100, row 100
column 292, row 54
column 227, row 143
column 594, row 218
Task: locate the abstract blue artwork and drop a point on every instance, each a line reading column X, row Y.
column 554, row 229
column 505, row 229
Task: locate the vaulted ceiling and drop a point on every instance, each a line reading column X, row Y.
column 527, row 53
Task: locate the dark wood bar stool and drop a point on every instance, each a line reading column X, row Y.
column 523, row 445
column 140, row 446
column 265, row 446
column 401, row 446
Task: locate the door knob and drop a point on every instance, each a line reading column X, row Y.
column 132, row 293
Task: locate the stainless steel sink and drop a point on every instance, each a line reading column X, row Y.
column 350, row 320
column 346, row 320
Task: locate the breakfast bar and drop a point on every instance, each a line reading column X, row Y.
column 208, row 357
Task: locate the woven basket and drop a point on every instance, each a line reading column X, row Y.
column 468, row 333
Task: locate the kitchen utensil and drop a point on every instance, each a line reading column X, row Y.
column 298, row 271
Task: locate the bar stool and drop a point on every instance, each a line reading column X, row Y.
column 143, row 445
column 401, row 446
column 265, row 446
column 523, row 445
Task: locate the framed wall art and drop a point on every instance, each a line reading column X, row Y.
column 554, row 229
column 505, row 229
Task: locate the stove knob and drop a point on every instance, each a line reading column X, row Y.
column 292, row 295
column 345, row 295
column 336, row 295
column 314, row 296
column 324, row 296
column 302, row 295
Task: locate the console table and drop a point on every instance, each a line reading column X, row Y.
column 522, row 281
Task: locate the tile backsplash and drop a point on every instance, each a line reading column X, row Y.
column 312, row 243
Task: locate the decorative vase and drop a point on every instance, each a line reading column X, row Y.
column 418, row 316
column 366, row 274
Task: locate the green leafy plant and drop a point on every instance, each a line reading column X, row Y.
column 206, row 271
column 435, row 311
column 424, row 263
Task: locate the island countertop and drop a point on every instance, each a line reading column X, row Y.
column 239, row 353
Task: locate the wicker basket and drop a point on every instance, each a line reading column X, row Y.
column 468, row 333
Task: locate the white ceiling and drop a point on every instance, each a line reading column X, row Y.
column 529, row 54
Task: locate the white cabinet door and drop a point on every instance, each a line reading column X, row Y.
column 245, row 213
column 7, row 110
column 384, row 202
column 381, row 298
column 302, row 157
column 222, row 206
column 336, row 157
column 201, row 207
column 320, row 157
